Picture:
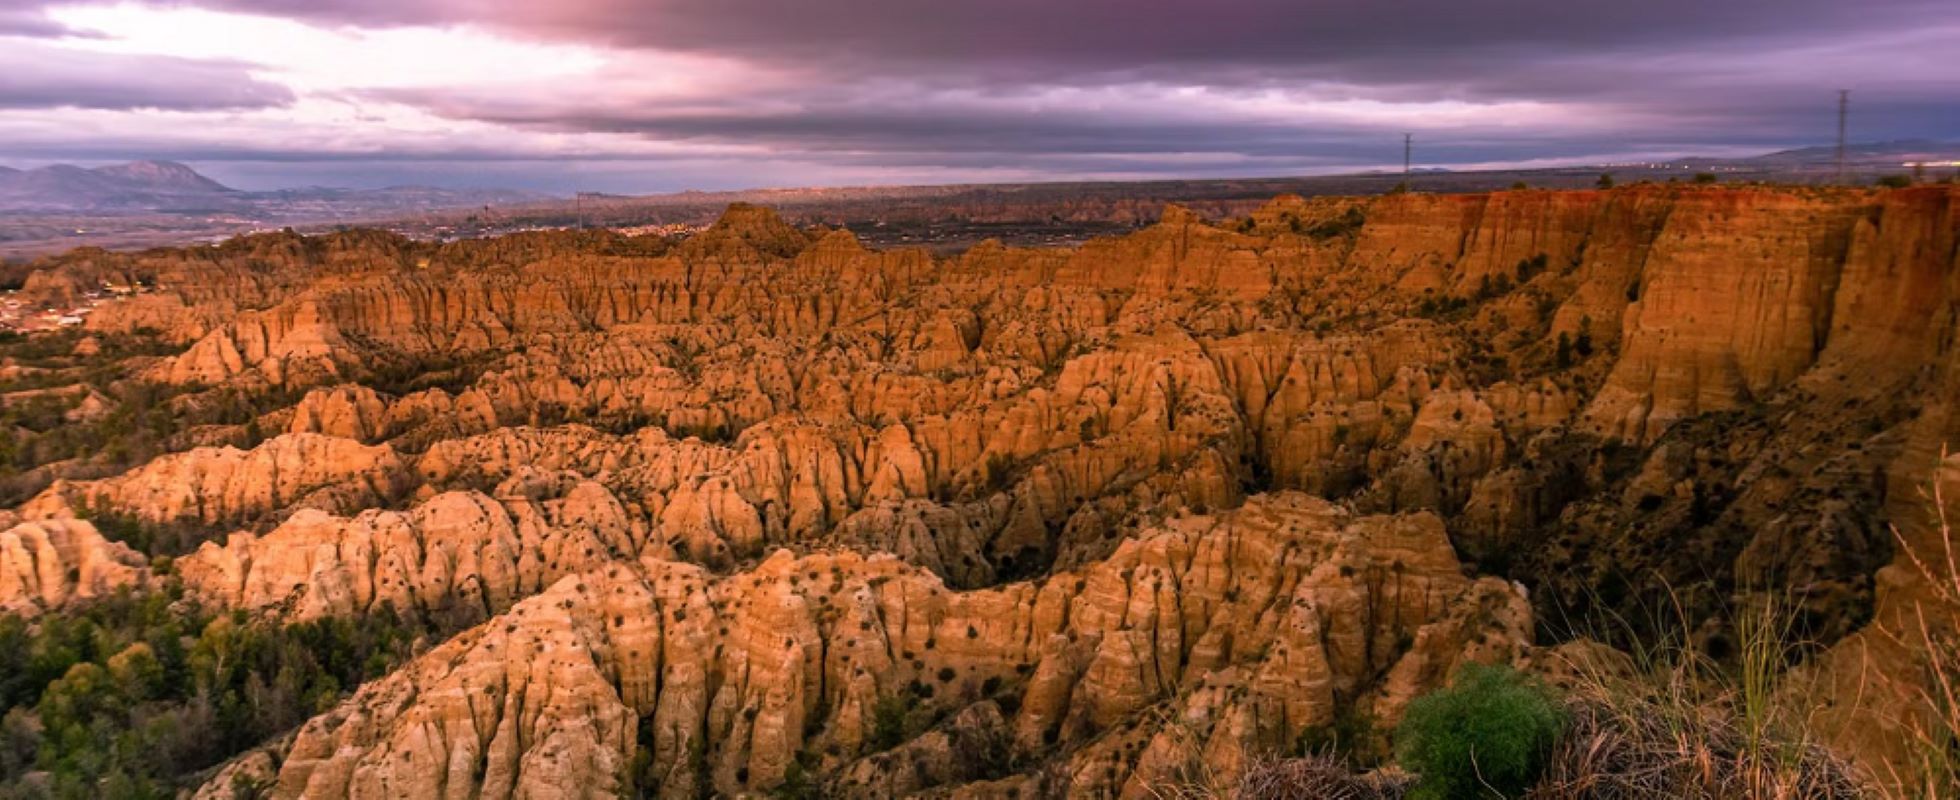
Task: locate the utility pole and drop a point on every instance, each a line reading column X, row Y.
column 1408, row 146
column 1844, row 111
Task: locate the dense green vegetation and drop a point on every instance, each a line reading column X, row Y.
column 1488, row 735
column 133, row 695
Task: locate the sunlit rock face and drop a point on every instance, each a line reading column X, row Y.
column 47, row 564
column 1250, row 623
column 709, row 514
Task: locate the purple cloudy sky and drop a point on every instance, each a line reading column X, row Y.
column 654, row 95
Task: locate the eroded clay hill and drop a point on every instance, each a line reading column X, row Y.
column 762, row 505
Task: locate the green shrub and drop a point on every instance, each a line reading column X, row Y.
column 889, row 721
column 1487, row 735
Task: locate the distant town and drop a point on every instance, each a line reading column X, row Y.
column 19, row 316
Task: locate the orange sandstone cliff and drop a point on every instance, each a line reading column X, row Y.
column 680, row 515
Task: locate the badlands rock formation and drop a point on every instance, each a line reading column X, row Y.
column 1249, row 627
column 224, row 484
column 48, row 564
column 763, row 506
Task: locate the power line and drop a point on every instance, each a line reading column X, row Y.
column 1844, row 111
column 595, row 219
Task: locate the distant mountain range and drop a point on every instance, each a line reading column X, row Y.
column 170, row 187
column 149, row 203
column 167, row 187
column 1877, row 154
column 136, row 185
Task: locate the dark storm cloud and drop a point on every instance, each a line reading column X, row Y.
column 1705, row 65
column 37, row 76
column 1027, row 39
column 838, row 121
column 1280, row 86
column 1563, row 108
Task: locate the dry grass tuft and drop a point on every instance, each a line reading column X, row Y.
column 1931, row 628
column 1672, row 722
column 1317, row 777
column 1633, row 748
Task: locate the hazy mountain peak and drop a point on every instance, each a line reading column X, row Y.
column 138, row 185
column 168, row 175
